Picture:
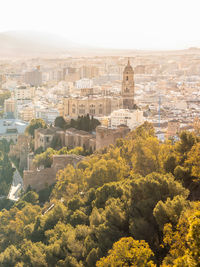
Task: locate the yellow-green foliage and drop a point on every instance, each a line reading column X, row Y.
column 126, row 205
column 128, row 252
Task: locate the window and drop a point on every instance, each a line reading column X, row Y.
column 81, row 109
column 92, row 109
column 127, row 78
column 100, row 109
column 73, row 108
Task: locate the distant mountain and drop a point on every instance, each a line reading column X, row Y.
column 22, row 43
column 37, row 44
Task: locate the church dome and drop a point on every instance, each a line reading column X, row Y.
column 128, row 67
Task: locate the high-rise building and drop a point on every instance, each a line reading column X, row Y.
column 34, row 77
column 128, row 87
column 89, row 72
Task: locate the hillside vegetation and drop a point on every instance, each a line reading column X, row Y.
column 133, row 204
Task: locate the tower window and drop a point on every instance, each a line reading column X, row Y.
column 127, row 78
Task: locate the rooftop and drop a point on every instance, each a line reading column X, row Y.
column 80, row 132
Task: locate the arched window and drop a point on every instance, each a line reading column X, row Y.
column 92, row 109
column 74, row 108
column 81, row 109
column 127, row 78
column 100, row 109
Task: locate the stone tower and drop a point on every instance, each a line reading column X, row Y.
column 128, row 87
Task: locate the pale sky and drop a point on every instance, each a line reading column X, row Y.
column 134, row 24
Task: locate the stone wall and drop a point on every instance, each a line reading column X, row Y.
column 20, row 150
column 39, row 179
column 74, row 138
column 106, row 136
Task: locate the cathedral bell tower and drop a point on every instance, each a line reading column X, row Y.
column 128, row 87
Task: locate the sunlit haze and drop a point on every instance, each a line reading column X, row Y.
column 133, row 24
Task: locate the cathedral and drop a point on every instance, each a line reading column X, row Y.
column 128, row 87
column 101, row 105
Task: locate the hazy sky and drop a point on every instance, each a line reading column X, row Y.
column 137, row 24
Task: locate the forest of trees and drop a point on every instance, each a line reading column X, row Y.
column 132, row 204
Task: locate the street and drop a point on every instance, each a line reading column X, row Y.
column 16, row 187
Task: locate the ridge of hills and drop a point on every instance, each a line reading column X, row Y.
column 39, row 44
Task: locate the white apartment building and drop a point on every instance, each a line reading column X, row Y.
column 26, row 113
column 47, row 114
column 24, row 92
column 130, row 118
column 84, row 83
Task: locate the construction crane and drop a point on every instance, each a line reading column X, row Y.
column 159, row 106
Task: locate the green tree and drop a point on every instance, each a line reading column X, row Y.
column 10, row 256
column 44, row 159
column 31, row 197
column 3, row 96
column 145, row 157
column 193, row 160
column 60, row 122
column 187, row 140
column 170, row 210
column 183, row 240
column 143, row 131
column 128, row 252
column 146, row 192
column 33, row 125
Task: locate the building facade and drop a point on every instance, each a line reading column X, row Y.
column 27, row 113
column 9, row 105
column 24, row 92
column 107, row 136
column 102, row 105
column 173, row 128
column 94, row 106
column 33, row 78
column 79, row 138
column 130, row 118
column 44, row 137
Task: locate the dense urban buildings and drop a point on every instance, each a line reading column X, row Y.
column 163, row 87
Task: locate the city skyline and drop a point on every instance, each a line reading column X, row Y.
column 109, row 24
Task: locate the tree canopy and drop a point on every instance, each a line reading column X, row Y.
column 132, row 204
column 35, row 124
column 85, row 123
